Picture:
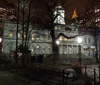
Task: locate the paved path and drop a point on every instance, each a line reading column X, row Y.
column 6, row 78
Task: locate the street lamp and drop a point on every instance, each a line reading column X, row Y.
column 0, row 39
column 57, row 42
column 79, row 40
column 0, row 45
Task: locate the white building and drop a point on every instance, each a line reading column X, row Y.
column 41, row 41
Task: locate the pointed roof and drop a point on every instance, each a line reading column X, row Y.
column 74, row 14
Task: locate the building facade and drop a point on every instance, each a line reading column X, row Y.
column 92, row 21
column 41, row 42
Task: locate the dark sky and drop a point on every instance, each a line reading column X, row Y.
column 79, row 5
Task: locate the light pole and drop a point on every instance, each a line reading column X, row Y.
column 79, row 40
column 57, row 42
column 0, row 45
column 0, row 39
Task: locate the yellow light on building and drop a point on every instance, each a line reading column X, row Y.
column 18, row 35
column 32, row 36
column 65, row 39
column 70, row 39
column 61, row 38
column 24, row 35
column 10, row 34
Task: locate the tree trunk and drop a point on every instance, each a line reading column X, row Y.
column 55, row 48
column 17, row 33
column 96, row 53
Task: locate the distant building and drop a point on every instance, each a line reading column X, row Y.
column 40, row 41
column 70, row 46
column 92, row 21
column 3, row 14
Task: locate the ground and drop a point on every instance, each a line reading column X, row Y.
column 12, row 78
column 6, row 78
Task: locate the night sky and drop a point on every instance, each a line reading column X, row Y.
column 79, row 5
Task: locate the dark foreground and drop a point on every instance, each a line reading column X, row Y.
column 38, row 76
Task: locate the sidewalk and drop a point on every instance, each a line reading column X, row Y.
column 90, row 71
column 6, row 78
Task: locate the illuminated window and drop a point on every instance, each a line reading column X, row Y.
column 18, row 35
column 11, row 34
column 97, row 10
column 96, row 20
column 61, row 38
column 24, row 35
column 32, row 36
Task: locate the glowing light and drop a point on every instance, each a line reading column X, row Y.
column 37, row 47
column 79, row 40
column 32, row 36
column 0, row 39
column 10, row 34
column 24, row 35
column 32, row 50
column 18, row 35
column 60, row 38
column 57, row 42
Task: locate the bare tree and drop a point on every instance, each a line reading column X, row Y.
column 42, row 13
column 47, row 20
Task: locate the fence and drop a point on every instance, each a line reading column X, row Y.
column 92, row 72
column 84, row 60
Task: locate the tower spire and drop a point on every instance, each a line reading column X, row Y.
column 74, row 14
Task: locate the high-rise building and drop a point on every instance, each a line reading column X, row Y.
column 92, row 23
column 3, row 14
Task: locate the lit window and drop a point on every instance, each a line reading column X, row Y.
column 60, row 38
column 32, row 36
column 97, row 10
column 11, row 34
column 24, row 35
column 96, row 20
column 18, row 35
